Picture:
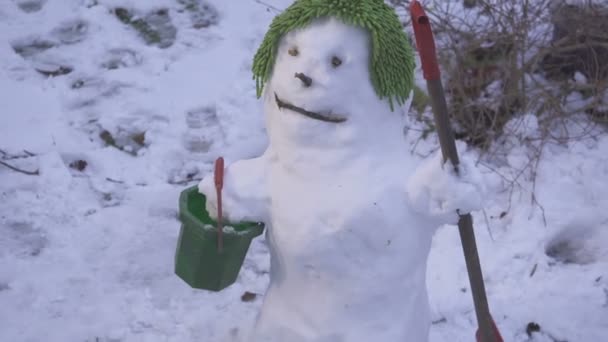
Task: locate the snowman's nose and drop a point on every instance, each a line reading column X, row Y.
column 305, row 79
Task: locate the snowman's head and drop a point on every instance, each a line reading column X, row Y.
column 322, row 73
column 390, row 59
column 333, row 71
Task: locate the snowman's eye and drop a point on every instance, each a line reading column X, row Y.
column 336, row 62
column 293, row 51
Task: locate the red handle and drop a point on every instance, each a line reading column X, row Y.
column 478, row 337
column 218, row 176
column 424, row 41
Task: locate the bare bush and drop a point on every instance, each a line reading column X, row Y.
column 504, row 58
column 522, row 72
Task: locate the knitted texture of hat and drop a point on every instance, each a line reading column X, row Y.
column 392, row 59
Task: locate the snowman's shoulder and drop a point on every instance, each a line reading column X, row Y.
column 253, row 165
column 391, row 189
column 248, row 171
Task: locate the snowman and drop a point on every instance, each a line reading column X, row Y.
column 350, row 213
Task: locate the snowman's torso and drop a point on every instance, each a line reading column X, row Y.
column 348, row 257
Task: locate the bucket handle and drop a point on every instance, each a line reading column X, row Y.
column 218, row 177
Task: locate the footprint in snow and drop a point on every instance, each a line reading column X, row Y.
column 155, row 27
column 579, row 245
column 203, row 129
column 30, row 6
column 90, row 90
column 22, row 239
column 52, row 67
column 68, row 32
column 32, row 50
column 71, row 31
column 202, row 14
column 29, row 47
column 121, row 58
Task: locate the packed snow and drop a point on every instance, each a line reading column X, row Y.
column 113, row 124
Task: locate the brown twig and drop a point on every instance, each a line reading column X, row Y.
column 533, row 271
column 8, row 156
column 316, row 116
column 485, row 216
column 185, row 181
column 268, row 6
column 29, row 173
column 114, row 181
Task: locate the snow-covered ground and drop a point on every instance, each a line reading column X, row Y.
column 87, row 244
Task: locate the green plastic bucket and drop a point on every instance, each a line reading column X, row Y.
column 197, row 259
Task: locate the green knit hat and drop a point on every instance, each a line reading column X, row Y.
column 392, row 59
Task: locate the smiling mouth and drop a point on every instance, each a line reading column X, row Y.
column 317, row 116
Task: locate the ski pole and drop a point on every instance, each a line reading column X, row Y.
column 487, row 330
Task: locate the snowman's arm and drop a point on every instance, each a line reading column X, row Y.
column 437, row 192
column 244, row 195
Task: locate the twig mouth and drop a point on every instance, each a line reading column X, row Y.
column 317, row 116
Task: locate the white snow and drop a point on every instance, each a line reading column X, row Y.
column 88, row 255
column 440, row 190
column 244, row 198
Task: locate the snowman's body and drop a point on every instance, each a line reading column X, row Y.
column 348, row 251
column 348, row 259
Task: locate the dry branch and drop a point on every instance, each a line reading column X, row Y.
column 29, row 173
